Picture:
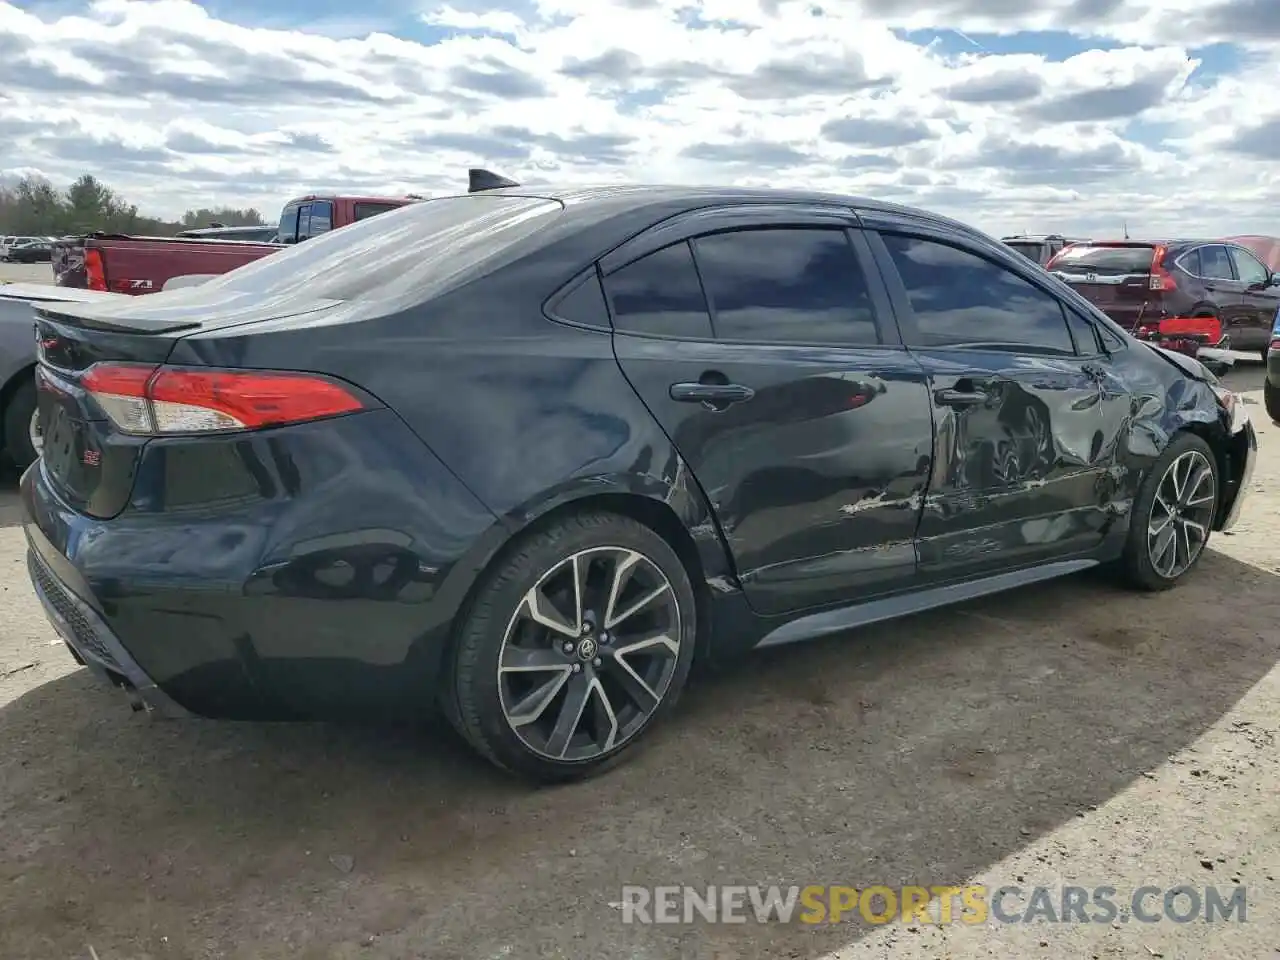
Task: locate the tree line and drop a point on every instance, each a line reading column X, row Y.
column 35, row 207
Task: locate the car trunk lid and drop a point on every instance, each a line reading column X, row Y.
column 89, row 463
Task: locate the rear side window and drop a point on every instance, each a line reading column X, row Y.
column 1108, row 261
column 1214, row 262
column 1085, row 334
column 961, row 299
column 786, row 285
column 660, row 295
column 364, row 211
column 1031, row 251
column 583, row 304
column 416, row 251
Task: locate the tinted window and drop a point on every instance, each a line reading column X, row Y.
column 288, row 230
column 1248, row 267
column 1084, row 333
column 410, row 253
column 660, row 295
column 1112, row 261
column 1029, row 250
column 366, row 210
column 321, row 219
column 802, row 286
column 960, row 298
column 583, row 304
column 1214, row 263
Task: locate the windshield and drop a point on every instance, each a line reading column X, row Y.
column 1029, row 250
column 1113, row 261
column 407, row 250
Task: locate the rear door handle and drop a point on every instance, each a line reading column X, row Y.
column 715, row 394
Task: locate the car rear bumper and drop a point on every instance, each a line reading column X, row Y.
column 93, row 643
column 326, row 588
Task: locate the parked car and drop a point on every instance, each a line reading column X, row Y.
column 1266, row 249
column 30, row 251
column 20, row 434
column 1040, row 248
column 533, row 452
column 265, row 233
column 8, row 243
column 144, row 265
column 1133, row 281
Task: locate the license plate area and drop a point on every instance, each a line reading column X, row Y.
column 70, row 452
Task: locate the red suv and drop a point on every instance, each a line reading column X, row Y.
column 1136, row 282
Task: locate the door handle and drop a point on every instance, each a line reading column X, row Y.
column 718, row 395
column 959, row 397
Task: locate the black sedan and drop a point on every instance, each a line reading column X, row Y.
column 529, row 454
column 34, row 251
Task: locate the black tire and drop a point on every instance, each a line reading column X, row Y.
column 471, row 694
column 1136, row 563
column 17, row 422
column 1271, row 400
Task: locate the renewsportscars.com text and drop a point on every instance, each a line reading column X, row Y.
column 941, row 904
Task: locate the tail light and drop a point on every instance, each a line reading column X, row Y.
column 94, row 270
column 1161, row 279
column 145, row 400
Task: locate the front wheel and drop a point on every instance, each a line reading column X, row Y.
column 1172, row 515
column 573, row 648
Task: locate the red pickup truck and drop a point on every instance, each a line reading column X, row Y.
column 137, row 265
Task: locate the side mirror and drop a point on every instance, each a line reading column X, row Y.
column 1273, row 280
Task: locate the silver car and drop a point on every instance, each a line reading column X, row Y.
column 19, row 424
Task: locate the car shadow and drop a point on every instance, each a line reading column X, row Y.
column 917, row 752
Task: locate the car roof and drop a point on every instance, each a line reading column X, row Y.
column 606, row 199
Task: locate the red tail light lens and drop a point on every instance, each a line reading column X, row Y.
column 1161, row 279
column 145, row 399
column 94, row 271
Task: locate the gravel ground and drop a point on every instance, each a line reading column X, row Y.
column 26, row 273
column 1067, row 734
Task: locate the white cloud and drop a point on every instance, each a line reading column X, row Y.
column 177, row 108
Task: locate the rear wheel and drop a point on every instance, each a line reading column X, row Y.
column 22, row 436
column 1172, row 516
column 573, row 648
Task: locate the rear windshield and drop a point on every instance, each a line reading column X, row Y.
column 413, row 248
column 1029, row 250
column 1111, row 260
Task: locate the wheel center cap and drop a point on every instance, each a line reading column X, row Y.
column 587, row 648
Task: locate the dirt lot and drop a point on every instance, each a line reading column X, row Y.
column 26, row 273
column 1070, row 734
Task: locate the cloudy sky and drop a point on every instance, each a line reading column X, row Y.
column 1035, row 115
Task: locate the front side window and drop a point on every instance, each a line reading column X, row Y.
column 786, row 285
column 660, row 295
column 366, row 210
column 288, row 229
column 961, row 299
column 1248, row 268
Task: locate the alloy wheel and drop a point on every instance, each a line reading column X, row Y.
column 1181, row 514
column 589, row 654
